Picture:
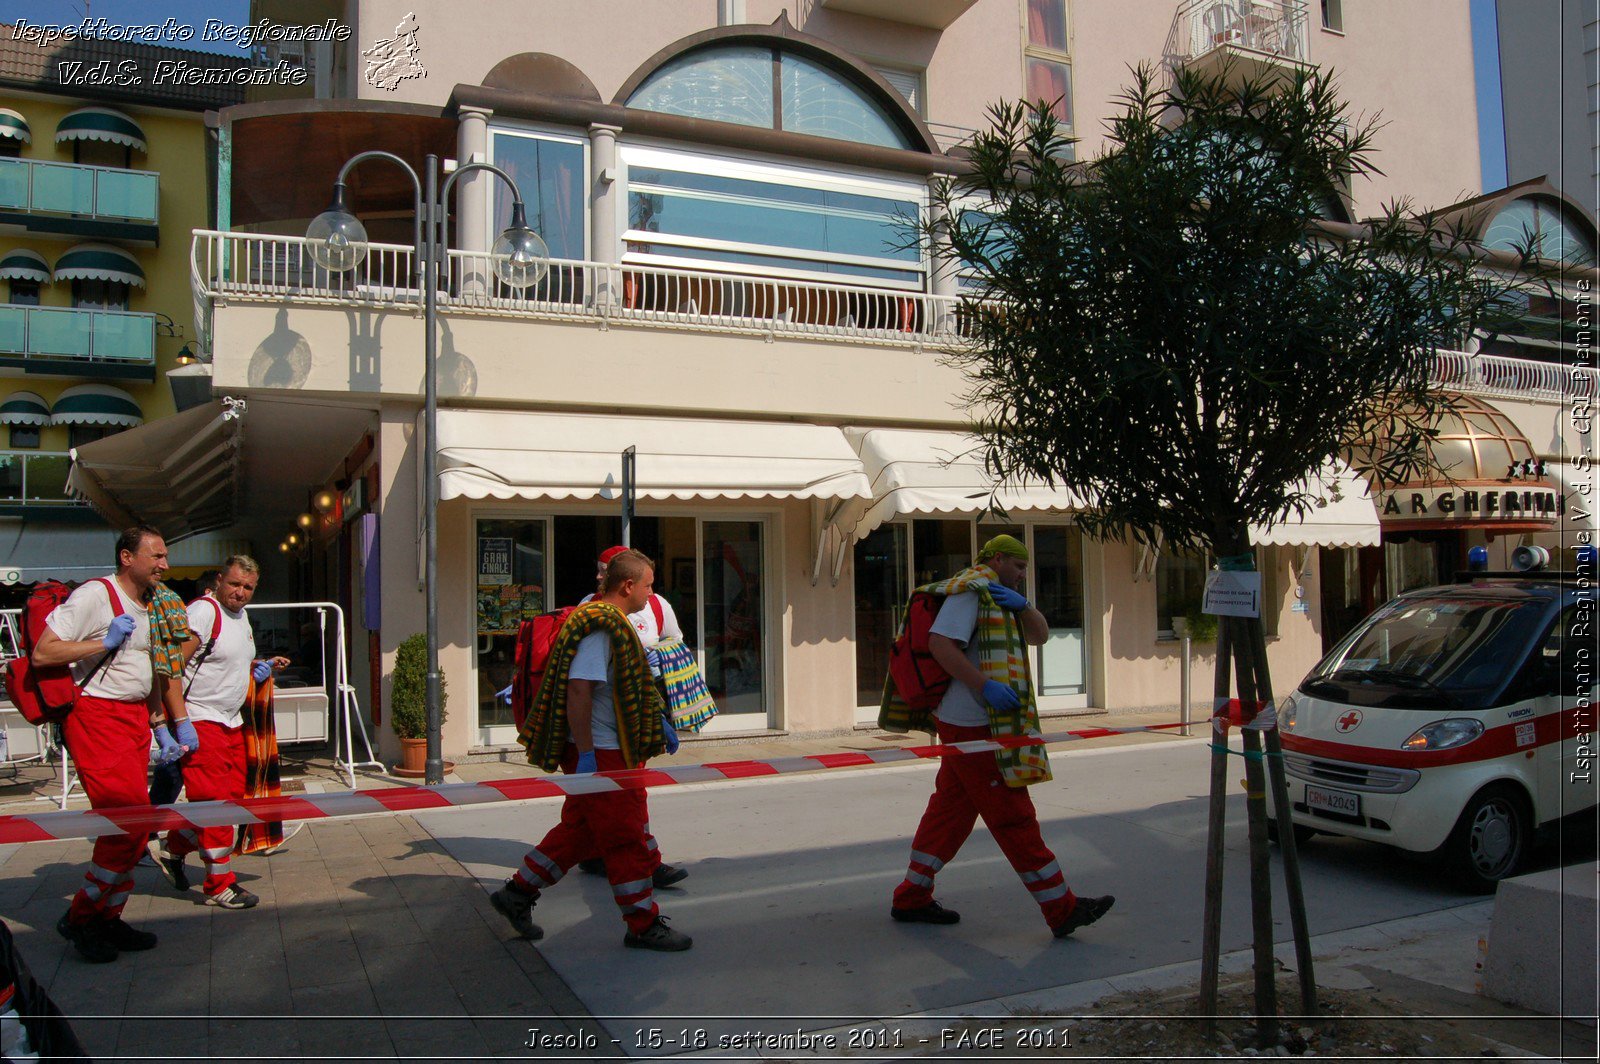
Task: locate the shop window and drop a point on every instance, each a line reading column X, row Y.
column 24, row 293
column 1047, row 64
column 939, row 549
column 1180, row 586
column 25, row 437
column 1410, row 564
column 735, row 617
column 881, row 594
column 100, row 295
column 510, row 563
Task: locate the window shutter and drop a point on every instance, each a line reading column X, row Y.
column 907, row 83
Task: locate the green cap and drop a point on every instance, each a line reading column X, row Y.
column 1003, row 544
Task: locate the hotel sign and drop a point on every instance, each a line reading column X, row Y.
column 1475, row 506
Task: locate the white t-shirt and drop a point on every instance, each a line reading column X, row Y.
column 593, row 662
column 86, row 614
column 217, row 684
column 644, row 622
column 958, row 620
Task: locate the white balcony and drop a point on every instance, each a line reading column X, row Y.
column 930, row 14
column 1246, row 38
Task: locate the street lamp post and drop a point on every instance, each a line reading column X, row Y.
column 338, row 242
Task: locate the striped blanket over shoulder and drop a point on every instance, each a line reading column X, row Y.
column 1003, row 656
column 688, row 699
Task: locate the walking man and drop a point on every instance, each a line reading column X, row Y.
column 598, row 710
column 222, row 662
column 103, row 632
column 980, row 637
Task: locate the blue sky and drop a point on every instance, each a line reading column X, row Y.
column 1491, row 124
column 137, row 12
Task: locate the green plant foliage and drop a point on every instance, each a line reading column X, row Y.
column 1202, row 626
column 408, row 694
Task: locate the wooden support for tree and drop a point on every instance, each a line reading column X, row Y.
column 1255, row 804
column 1211, row 934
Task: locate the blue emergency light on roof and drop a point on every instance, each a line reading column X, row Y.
column 1478, row 559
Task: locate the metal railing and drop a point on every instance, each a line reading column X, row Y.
column 1516, row 378
column 99, row 192
column 69, row 332
column 36, row 478
column 1272, row 27
column 246, row 265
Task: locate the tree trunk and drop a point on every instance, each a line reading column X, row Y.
column 1211, row 933
column 1255, row 803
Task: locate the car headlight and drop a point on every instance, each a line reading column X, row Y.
column 1444, row 734
column 1286, row 712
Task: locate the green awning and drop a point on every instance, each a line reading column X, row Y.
column 24, row 408
column 99, row 262
column 20, row 264
column 100, row 123
column 13, row 125
column 96, row 404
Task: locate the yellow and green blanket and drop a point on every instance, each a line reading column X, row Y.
column 1003, row 656
column 638, row 702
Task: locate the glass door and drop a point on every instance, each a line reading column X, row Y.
column 510, row 563
column 733, row 620
column 1057, row 575
column 881, row 570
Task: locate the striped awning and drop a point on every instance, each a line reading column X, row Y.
column 99, row 262
column 20, row 264
column 24, row 408
column 100, row 123
column 13, row 125
column 96, row 404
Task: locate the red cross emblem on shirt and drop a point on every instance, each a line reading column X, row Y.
column 1349, row 722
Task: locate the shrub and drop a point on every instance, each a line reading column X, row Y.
column 408, row 695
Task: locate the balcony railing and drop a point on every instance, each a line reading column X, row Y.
column 245, row 265
column 95, row 192
column 35, row 478
column 1514, row 378
column 92, row 335
column 1271, row 27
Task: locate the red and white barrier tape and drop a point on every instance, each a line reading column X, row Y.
column 147, row 819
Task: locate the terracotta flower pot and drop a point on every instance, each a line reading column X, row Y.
column 413, row 754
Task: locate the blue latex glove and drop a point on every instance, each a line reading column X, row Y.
column 670, row 732
column 1007, row 599
column 586, row 763
column 505, row 695
column 1000, row 696
column 121, row 628
column 169, row 748
column 653, row 656
column 262, row 671
column 185, row 732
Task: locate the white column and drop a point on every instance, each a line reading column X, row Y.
column 604, row 245
column 474, row 196
column 942, row 267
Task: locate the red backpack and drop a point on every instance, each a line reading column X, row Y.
column 534, row 640
column 920, row 680
column 45, row 694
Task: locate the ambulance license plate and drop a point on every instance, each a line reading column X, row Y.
column 1333, row 801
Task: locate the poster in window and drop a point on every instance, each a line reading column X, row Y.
column 494, row 560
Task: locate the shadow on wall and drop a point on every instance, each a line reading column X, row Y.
column 283, row 359
column 366, row 350
column 458, row 375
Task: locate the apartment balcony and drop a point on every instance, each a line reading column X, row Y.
column 1247, row 39
column 80, row 201
column 35, row 482
column 1513, row 378
column 70, row 342
column 929, row 14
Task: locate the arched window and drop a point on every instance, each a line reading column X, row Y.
column 767, row 87
column 1547, row 224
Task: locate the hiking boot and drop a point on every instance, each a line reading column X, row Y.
column 125, row 938
column 658, row 936
column 172, row 868
column 594, row 866
column 233, row 896
column 516, row 907
column 665, row 875
column 931, row 913
column 88, row 940
column 1086, row 912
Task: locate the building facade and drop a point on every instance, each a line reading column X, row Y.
column 723, row 188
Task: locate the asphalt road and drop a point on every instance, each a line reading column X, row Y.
column 790, row 880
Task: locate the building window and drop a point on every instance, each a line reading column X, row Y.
column 908, row 83
column 100, row 295
column 713, row 212
column 1180, row 585
column 551, row 173
column 78, row 435
column 10, row 148
column 24, row 437
column 1333, row 15
column 24, row 293
column 1544, row 225
column 1047, row 63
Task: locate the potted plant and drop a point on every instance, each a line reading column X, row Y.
column 1202, row 626
column 408, row 702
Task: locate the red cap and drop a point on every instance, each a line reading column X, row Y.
column 610, row 553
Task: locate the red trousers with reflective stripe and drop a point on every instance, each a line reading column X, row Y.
column 610, row 824
column 110, row 745
column 215, row 772
column 967, row 787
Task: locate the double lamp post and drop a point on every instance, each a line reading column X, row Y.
column 338, row 243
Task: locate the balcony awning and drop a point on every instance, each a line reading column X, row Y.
column 14, row 126
column 99, row 262
column 178, row 473
column 96, row 404
column 20, row 264
column 100, row 123
column 25, row 408
column 928, row 473
column 506, row 455
column 1347, row 517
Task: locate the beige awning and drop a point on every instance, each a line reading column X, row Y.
column 930, row 473
column 178, row 473
column 489, row 454
column 1345, row 515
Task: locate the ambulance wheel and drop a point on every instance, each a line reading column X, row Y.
column 1490, row 838
column 1302, row 834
